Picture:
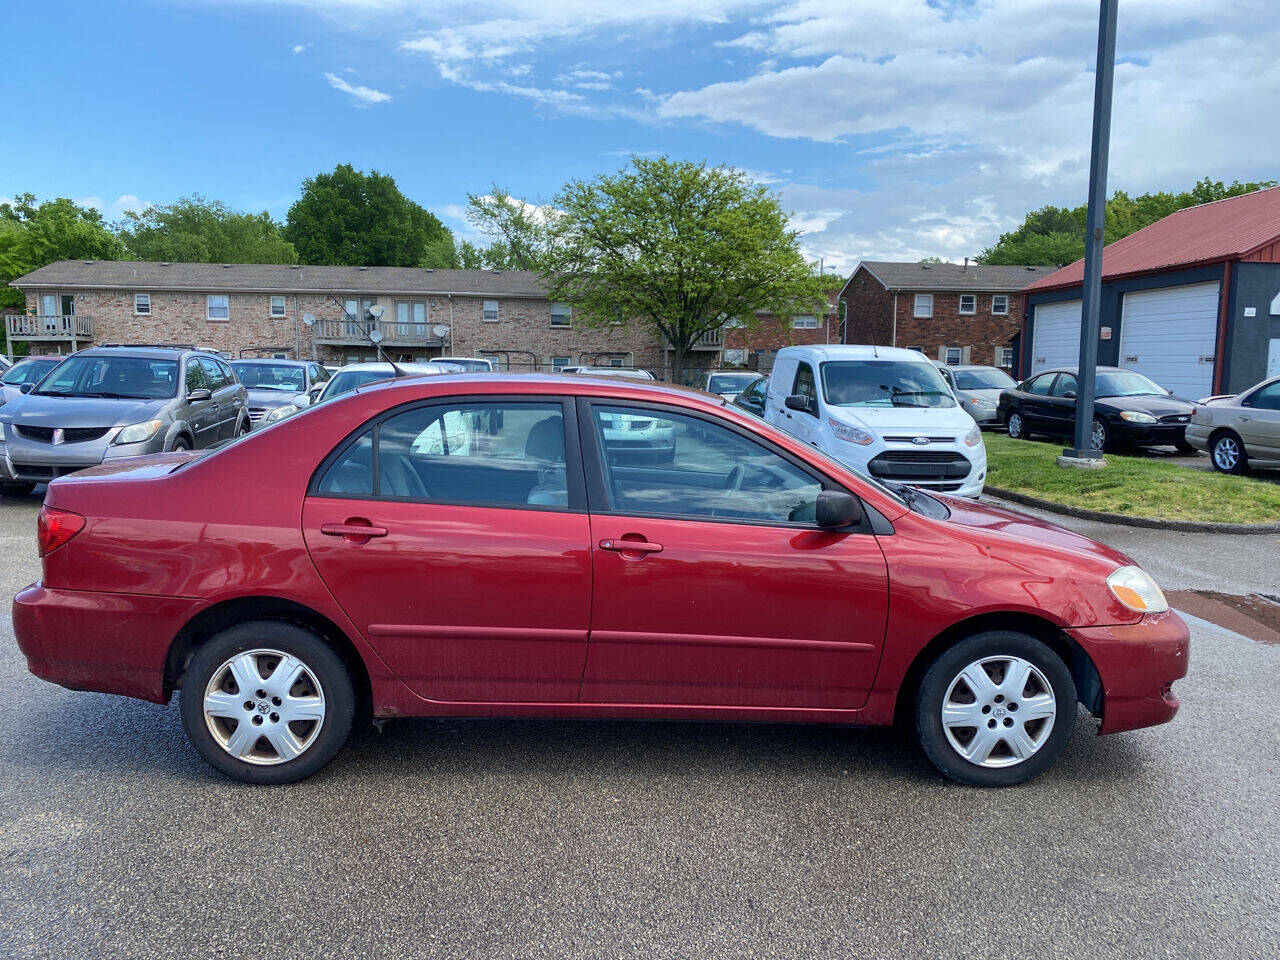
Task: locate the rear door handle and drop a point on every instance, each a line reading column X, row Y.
column 354, row 531
column 631, row 546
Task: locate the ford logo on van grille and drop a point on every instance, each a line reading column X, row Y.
column 920, row 441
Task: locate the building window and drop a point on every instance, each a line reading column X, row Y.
column 1004, row 356
column 142, row 304
column 924, row 305
column 953, row 356
column 559, row 363
column 968, row 303
column 491, row 311
column 1000, row 304
column 805, row 322
column 218, row 306
column 277, row 306
column 561, row 314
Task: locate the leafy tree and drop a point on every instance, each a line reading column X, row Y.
column 33, row 235
column 350, row 218
column 518, row 231
column 676, row 246
column 1053, row 236
column 932, row 260
column 196, row 230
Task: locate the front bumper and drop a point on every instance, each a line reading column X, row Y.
column 1148, row 434
column 1138, row 664
column 952, row 468
column 105, row 642
column 36, row 462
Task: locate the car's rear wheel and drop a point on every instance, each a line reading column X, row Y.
column 267, row 702
column 16, row 489
column 1226, row 453
column 995, row 709
column 1015, row 426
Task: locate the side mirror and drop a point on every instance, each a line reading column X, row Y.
column 26, row 387
column 1068, row 395
column 314, row 394
column 798, row 401
column 195, row 396
column 836, row 508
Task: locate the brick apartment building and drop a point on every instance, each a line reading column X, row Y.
column 755, row 346
column 954, row 313
column 324, row 313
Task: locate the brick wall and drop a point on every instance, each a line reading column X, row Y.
column 868, row 311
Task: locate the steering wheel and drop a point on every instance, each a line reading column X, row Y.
column 737, row 476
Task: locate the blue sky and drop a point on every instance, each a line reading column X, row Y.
column 891, row 129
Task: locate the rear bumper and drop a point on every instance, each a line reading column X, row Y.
column 105, row 642
column 1138, row 664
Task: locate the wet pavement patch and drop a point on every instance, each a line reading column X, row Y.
column 1256, row 616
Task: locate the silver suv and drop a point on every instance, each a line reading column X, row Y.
column 106, row 403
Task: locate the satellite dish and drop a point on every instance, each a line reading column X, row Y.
column 440, row 330
column 375, row 336
column 377, row 310
column 309, row 319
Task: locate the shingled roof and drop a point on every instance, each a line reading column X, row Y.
column 278, row 278
column 953, row 276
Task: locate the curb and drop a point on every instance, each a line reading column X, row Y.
column 1080, row 513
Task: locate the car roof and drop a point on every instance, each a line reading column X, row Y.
column 544, row 383
column 412, row 367
column 145, row 353
column 965, row 366
column 283, row 361
column 1077, row 370
column 850, row 351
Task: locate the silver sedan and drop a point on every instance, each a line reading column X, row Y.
column 1239, row 432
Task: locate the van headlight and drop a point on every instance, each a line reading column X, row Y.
column 279, row 413
column 973, row 437
column 1134, row 587
column 845, row 431
column 1136, row 416
column 138, row 432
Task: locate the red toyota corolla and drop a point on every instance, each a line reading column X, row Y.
column 525, row 546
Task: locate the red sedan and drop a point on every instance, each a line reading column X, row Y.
column 577, row 547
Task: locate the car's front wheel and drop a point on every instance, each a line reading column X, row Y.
column 267, row 702
column 995, row 709
column 1015, row 426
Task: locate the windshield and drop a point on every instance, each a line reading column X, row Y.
column 1126, row 383
column 730, row 382
column 989, row 379
column 30, row 371
column 113, row 378
column 884, row 383
column 272, row 376
column 344, row 381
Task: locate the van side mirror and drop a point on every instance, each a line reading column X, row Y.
column 200, row 393
column 798, row 401
column 837, row 508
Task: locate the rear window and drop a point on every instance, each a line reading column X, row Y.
column 730, row 382
column 285, row 377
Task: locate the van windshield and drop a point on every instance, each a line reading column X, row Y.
column 884, row 383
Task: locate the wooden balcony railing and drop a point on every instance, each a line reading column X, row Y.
column 21, row 326
column 354, row 332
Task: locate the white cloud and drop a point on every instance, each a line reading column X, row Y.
column 114, row 209
column 362, row 95
column 298, row 48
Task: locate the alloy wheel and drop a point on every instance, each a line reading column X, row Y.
column 264, row 706
column 1015, row 425
column 998, row 711
column 1098, row 436
column 1226, row 454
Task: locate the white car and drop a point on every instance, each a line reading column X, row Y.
column 629, row 438
column 470, row 364
column 610, row 372
column 884, row 411
column 358, row 374
column 726, row 383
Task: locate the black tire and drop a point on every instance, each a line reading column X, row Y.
column 1227, row 453
column 19, row 489
column 944, row 671
column 1015, row 426
column 320, row 659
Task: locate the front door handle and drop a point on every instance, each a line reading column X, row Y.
column 631, row 546
column 354, row 529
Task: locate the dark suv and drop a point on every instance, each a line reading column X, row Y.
column 107, row 403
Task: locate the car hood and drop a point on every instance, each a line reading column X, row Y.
column 992, row 518
column 274, row 398
column 66, row 412
column 906, row 419
column 1156, row 406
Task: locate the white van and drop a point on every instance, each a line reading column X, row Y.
column 884, row 411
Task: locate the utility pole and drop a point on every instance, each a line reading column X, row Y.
column 1083, row 453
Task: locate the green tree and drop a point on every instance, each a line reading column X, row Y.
column 1053, row 236
column 518, row 231
column 350, row 218
column 679, row 247
column 196, row 230
column 33, row 235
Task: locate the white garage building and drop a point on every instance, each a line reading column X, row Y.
column 1192, row 301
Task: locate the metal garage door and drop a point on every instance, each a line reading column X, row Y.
column 1056, row 335
column 1170, row 335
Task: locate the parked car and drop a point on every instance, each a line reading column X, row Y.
column 470, row 364
column 884, row 411
column 752, row 397
column 1239, row 432
column 610, row 372
column 358, row 374
column 725, row 383
column 978, row 390
column 5, row 364
column 1128, row 409
column 30, row 370
column 108, row 403
column 754, row 578
column 279, row 388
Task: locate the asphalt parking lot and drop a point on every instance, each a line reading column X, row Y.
column 552, row 839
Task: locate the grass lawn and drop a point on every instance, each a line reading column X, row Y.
column 1133, row 486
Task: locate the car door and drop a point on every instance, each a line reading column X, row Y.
column 710, row 587
column 1259, row 422
column 201, row 414
column 780, row 381
column 1060, row 406
column 225, row 410
column 1035, row 402
column 804, row 423
column 454, row 535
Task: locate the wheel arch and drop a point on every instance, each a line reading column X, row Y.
column 1083, row 672
column 219, row 616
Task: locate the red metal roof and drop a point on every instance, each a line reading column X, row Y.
column 1210, row 233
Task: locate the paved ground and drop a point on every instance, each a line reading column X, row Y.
column 648, row 840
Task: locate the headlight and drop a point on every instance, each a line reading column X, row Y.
column 844, row 431
column 279, row 413
column 982, row 402
column 973, row 437
column 137, row 432
column 1134, row 416
column 1134, row 587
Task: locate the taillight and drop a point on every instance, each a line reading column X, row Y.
column 55, row 527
